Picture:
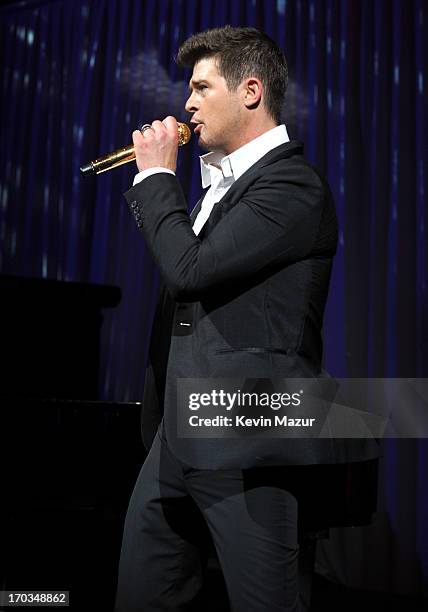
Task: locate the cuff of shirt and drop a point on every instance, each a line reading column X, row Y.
column 145, row 173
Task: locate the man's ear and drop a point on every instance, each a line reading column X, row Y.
column 252, row 90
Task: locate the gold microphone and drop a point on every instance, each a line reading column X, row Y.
column 127, row 154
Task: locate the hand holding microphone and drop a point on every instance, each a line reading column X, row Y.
column 157, row 145
column 154, row 145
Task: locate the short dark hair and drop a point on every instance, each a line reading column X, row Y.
column 241, row 53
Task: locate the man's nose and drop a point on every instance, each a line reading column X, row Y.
column 190, row 105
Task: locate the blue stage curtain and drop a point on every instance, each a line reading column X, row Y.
column 78, row 76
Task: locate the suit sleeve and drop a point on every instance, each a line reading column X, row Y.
column 275, row 222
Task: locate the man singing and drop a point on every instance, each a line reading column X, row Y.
column 245, row 282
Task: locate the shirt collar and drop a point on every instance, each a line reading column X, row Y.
column 238, row 162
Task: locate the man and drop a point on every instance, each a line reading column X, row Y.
column 245, row 284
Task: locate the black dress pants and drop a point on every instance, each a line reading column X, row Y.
column 251, row 519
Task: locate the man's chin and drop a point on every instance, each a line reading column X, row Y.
column 209, row 145
column 204, row 145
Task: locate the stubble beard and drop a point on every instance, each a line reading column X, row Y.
column 210, row 146
column 213, row 145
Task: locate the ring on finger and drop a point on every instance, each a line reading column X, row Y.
column 145, row 127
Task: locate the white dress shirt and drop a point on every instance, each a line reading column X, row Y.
column 220, row 172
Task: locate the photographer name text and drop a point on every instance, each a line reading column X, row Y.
column 243, row 421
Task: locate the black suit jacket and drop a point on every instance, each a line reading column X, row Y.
column 250, row 290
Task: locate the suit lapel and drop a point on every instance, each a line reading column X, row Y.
column 195, row 210
column 288, row 149
column 283, row 151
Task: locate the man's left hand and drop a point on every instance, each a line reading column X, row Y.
column 157, row 146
